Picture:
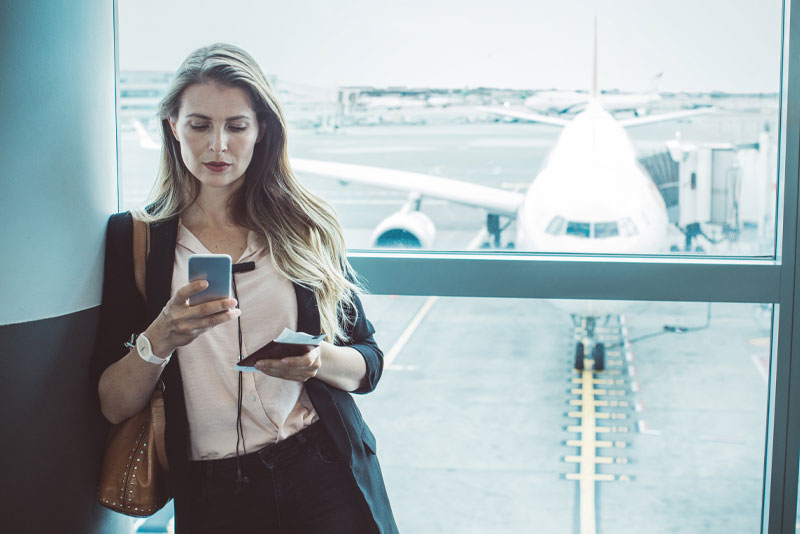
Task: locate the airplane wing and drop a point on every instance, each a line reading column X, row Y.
column 649, row 119
column 145, row 141
column 525, row 115
column 496, row 201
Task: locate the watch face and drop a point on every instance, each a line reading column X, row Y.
column 143, row 346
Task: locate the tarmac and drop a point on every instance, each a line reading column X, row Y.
column 481, row 422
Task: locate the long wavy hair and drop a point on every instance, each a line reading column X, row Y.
column 300, row 230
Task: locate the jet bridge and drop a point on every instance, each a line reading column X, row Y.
column 722, row 190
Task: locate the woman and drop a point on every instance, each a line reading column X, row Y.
column 284, row 449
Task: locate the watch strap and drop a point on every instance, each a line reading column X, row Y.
column 145, row 350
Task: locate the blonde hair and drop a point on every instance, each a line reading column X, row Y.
column 300, row 230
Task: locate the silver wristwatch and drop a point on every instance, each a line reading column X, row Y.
column 145, row 351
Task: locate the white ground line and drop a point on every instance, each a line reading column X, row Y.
column 390, row 356
column 409, row 331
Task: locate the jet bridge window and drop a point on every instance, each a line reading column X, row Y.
column 579, row 229
column 606, row 229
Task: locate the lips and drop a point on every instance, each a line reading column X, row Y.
column 217, row 166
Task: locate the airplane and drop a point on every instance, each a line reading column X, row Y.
column 591, row 196
column 559, row 102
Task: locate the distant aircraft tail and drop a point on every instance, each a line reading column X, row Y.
column 594, row 70
column 654, row 83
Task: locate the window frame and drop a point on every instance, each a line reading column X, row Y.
column 607, row 277
column 683, row 278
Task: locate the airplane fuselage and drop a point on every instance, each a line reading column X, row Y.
column 592, row 196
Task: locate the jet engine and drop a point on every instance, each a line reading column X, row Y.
column 407, row 228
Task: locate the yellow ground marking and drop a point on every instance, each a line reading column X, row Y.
column 609, row 392
column 611, row 404
column 409, row 331
column 599, row 381
column 597, row 476
column 587, row 459
column 605, row 444
column 596, row 459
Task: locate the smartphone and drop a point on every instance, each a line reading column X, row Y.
column 216, row 268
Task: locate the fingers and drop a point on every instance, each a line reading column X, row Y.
column 190, row 289
column 296, row 368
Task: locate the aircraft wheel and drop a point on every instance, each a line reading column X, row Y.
column 599, row 355
column 579, row 356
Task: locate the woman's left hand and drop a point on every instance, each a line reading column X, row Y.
column 295, row 368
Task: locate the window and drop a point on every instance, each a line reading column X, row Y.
column 708, row 181
column 681, row 144
column 606, row 229
column 579, row 229
column 556, row 226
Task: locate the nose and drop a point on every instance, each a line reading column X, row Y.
column 219, row 141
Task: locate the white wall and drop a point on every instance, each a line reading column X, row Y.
column 57, row 154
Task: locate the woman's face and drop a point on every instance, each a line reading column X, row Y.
column 217, row 130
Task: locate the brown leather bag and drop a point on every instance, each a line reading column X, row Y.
column 133, row 478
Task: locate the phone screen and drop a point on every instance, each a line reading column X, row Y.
column 216, row 268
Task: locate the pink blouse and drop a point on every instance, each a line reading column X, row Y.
column 272, row 408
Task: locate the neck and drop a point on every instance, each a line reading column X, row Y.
column 210, row 210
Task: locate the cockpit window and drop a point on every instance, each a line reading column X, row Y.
column 627, row 227
column 579, row 229
column 606, row 229
column 556, row 226
column 600, row 230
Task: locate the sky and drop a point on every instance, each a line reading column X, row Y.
column 697, row 45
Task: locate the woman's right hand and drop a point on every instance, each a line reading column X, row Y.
column 179, row 324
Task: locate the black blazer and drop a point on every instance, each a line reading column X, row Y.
column 123, row 312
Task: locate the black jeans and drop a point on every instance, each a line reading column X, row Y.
column 299, row 485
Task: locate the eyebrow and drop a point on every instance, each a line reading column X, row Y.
column 205, row 117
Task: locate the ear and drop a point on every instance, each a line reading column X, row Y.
column 262, row 129
column 173, row 125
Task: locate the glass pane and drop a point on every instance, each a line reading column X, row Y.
column 484, row 425
column 453, row 127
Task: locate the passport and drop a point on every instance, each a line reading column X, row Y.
column 288, row 343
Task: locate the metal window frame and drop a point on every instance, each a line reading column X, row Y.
column 632, row 278
column 680, row 279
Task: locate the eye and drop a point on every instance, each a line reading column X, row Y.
column 198, row 127
column 238, row 128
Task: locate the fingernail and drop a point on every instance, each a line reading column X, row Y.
column 237, row 312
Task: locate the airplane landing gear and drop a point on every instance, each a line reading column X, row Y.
column 588, row 324
column 599, row 356
column 579, row 352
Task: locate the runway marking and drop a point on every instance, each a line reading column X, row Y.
column 390, row 356
column 606, row 390
column 586, row 475
column 409, row 331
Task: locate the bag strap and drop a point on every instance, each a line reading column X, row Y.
column 141, row 250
